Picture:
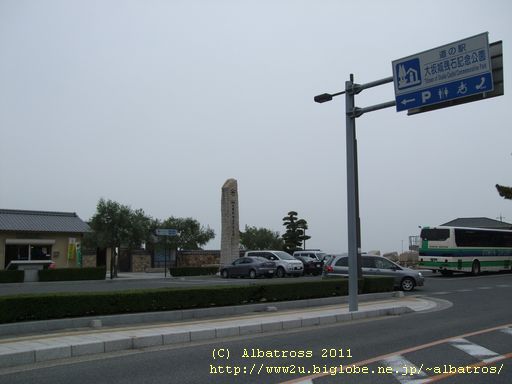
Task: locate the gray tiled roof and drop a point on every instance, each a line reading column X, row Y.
column 478, row 222
column 40, row 221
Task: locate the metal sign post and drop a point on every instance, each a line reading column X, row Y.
column 353, row 222
column 166, row 232
column 352, row 196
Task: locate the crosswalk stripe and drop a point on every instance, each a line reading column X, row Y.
column 475, row 350
column 402, row 369
column 507, row 328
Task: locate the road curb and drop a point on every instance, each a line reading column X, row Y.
column 29, row 352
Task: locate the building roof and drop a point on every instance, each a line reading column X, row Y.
column 14, row 220
column 478, row 222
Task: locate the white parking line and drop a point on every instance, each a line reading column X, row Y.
column 475, row 350
column 403, row 368
column 507, row 331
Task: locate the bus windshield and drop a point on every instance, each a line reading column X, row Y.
column 435, row 234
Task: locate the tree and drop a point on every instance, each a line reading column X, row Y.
column 191, row 235
column 260, row 238
column 114, row 225
column 295, row 234
column 505, row 192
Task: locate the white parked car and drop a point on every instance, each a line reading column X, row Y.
column 286, row 264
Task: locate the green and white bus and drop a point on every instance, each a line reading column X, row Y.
column 469, row 250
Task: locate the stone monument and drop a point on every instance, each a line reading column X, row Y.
column 230, row 232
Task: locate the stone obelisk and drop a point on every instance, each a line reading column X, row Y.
column 230, row 237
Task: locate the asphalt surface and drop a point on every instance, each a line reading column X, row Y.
column 475, row 312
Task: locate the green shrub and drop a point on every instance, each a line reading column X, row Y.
column 193, row 271
column 55, row 306
column 68, row 274
column 12, row 276
column 374, row 284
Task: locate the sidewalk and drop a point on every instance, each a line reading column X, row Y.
column 15, row 351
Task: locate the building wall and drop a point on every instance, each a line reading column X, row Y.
column 59, row 250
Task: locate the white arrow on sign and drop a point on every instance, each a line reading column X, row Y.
column 407, row 101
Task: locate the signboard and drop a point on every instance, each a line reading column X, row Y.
column 166, row 232
column 496, row 53
column 452, row 71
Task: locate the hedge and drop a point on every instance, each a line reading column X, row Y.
column 12, row 276
column 193, row 271
column 68, row 274
column 375, row 284
column 55, row 306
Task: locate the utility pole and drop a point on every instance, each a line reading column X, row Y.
column 353, row 222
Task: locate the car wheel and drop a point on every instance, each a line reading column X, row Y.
column 252, row 274
column 280, row 272
column 407, row 284
column 475, row 268
column 224, row 273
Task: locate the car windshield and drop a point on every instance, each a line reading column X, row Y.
column 284, row 256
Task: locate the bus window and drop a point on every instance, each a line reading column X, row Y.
column 435, row 234
column 474, row 238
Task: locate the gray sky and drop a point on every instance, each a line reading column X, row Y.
column 154, row 104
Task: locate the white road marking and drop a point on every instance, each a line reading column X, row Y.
column 404, row 371
column 475, row 350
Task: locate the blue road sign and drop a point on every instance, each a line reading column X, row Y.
column 166, row 232
column 452, row 71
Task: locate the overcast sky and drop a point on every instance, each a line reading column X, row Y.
column 154, row 104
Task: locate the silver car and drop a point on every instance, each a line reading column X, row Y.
column 405, row 278
column 252, row 267
column 286, row 264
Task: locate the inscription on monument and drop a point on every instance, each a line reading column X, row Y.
column 230, row 236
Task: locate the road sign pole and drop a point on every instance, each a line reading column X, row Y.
column 165, row 258
column 352, row 221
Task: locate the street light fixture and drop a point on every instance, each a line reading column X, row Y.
column 326, row 97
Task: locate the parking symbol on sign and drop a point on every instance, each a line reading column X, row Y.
column 409, row 73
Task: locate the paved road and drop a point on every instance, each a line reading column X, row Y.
column 144, row 282
column 476, row 328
